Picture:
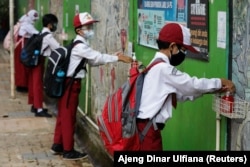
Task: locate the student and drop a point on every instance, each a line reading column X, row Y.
column 26, row 30
column 67, row 105
column 35, row 94
column 164, row 84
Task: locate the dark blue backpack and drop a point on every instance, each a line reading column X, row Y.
column 31, row 51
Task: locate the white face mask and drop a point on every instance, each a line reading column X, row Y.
column 88, row 34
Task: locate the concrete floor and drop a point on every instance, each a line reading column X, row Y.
column 25, row 140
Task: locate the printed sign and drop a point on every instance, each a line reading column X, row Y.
column 154, row 14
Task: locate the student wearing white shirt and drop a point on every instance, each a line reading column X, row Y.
column 164, row 84
column 35, row 94
column 67, row 105
column 27, row 29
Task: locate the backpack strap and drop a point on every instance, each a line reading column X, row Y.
column 144, row 72
column 145, row 130
column 82, row 62
column 156, row 61
column 151, row 121
column 43, row 35
column 80, row 65
column 78, row 68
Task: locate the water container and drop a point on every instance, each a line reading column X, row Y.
column 36, row 56
column 60, row 76
column 135, row 62
column 227, row 103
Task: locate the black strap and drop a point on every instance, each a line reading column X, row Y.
column 78, row 68
column 43, row 35
column 80, row 65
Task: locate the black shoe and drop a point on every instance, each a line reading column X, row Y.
column 73, row 155
column 33, row 109
column 43, row 114
column 56, row 149
column 21, row 89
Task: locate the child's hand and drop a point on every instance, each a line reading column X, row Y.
column 124, row 58
column 227, row 85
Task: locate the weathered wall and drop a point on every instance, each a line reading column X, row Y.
column 113, row 16
column 53, row 5
column 240, row 132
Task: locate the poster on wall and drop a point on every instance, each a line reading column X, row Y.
column 154, row 14
column 198, row 24
column 221, row 29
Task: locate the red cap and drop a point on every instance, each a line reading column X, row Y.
column 173, row 32
column 82, row 19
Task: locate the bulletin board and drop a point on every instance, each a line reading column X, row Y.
column 154, row 14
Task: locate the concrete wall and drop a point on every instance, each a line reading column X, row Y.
column 240, row 132
column 113, row 16
column 53, row 8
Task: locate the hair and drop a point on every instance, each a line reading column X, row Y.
column 162, row 44
column 165, row 45
column 49, row 19
column 77, row 29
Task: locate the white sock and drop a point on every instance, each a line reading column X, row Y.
column 39, row 109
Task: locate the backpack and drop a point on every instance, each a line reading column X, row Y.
column 31, row 51
column 117, row 123
column 7, row 38
column 56, row 71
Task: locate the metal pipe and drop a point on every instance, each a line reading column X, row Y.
column 87, row 90
column 218, row 119
column 11, row 18
column 87, row 118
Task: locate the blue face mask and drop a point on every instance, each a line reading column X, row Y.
column 88, row 34
column 178, row 58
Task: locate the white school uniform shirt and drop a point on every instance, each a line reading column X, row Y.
column 93, row 57
column 164, row 79
column 27, row 28
column 49, row 42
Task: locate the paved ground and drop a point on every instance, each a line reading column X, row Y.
column 25, row 140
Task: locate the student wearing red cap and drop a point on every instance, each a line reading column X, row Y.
column 164, row 84
column 67, row 105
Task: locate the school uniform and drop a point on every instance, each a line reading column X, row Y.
column 26, row 30
column 67, row 105
column 161, row 83
column 21, row 72
column 35, row 95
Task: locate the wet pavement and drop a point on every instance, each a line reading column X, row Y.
column 25, row 140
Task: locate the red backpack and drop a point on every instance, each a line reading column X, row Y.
column 117, row 123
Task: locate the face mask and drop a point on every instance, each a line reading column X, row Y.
column 54, row 27
column 88, row 34
column 177, row 59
